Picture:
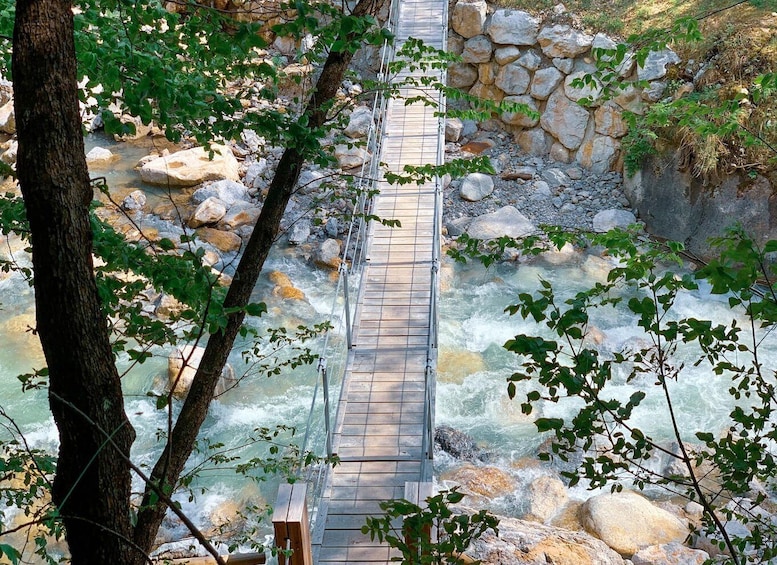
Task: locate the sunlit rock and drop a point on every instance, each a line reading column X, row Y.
column 191, row 167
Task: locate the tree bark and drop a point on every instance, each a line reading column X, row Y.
column 181, row 442
column 92, row 482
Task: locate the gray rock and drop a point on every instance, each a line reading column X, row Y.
column 476, row 186
column 255, row 172
column 563, row 41
column 655, row 64
column 530, row 60
column 513, row 27
column 591, row 92
column 519, row 118
column 613, row 218
column 555, row 177
column 604, row 49
column 545, row 81
column 457, row 226
column 477, row 50
column 135, row 200
column 332, row 227
column 328, row 255
column 310, row 180
column 654, row 91
column 513, row 79
column 563, row 64
column 359, row 123
column 458, row 444
column 609, row 121
column 599, row 154
column 469, row 17
column 560, row 154
column 228, row 191
column 505, row 221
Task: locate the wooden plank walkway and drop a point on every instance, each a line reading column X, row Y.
column 380, row 422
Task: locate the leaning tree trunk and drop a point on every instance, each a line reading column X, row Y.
column 171, row 463
column 92, row 482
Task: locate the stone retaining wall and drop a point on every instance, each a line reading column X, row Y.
column 511, row 55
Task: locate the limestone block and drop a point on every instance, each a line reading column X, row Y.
column 477, row 50
column 534, row 141
column 462, row 75
column 613, row 218
column 513, row 79
column 545, row 81
column 487, row 72
column 599, row 153
column 530, row 60
column 476, row 186
column 564, row 41
column 505, row 221
column 506, row 54
column 359, row 123
column 191, row 167
column 513, row 27
column 565, row 120
column 591, row 92
column 210, row 211
column 518, row 118
column 655, row 64
column 487, row 92
column 609, row 120
column 469, row 17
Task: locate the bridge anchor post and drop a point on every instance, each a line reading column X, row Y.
column 291, row 525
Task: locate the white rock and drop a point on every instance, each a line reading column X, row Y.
column 228, row 191
column 477, row 50
column 310, row 180
column 555, row 177
column 565, row 120
column 628, row 522
column 469, row 17
column 513, row 79
column 655, row 64
column 184, row 361
column 669, row 554
column 328, row 255
column 299, row 232
column 351, row 157
column 209, row 211
column 359, row 123
column 530, row 60
column 255, row 172
column 505, row 221
column 518, row 118
column 513, row 27
column 655, row 91
column 190, row 167
column 545, row 81
column 609, row 219
column 630, row 99
column 100, row 156
column 564, row 41
column 9, row 155
column 7, row 118
column 546, row 496
column 604, row 49
column 476, row 186
column 141, row 129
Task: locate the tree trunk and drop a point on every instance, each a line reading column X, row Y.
column 172, row 461
column 92, row 482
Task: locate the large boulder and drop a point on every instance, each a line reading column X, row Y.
column 462, row 75
column 359, row 123
column 609, row 120
column 469, row 17
column 101, row 157
column 240, row 214
column 513, row 27
column 628, row 522
column 565, row 120
column 328, row 255
column 505, row 221
column 489, row 482
column 526, row 543
column 564, row 41
column 591, row 92
column 191, row 167
column 224, row 241
column 350, row 156
column 182, row 365
column 210, row 211
column 457, row 444
column 678, row 206
column 599, row 154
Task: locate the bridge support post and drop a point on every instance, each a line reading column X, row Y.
column 418, row 536
column 291, row 525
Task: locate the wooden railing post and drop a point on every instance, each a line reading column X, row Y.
column 290, row 522
column 418, row 536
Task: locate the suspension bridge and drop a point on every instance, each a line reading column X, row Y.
column 382, row 431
